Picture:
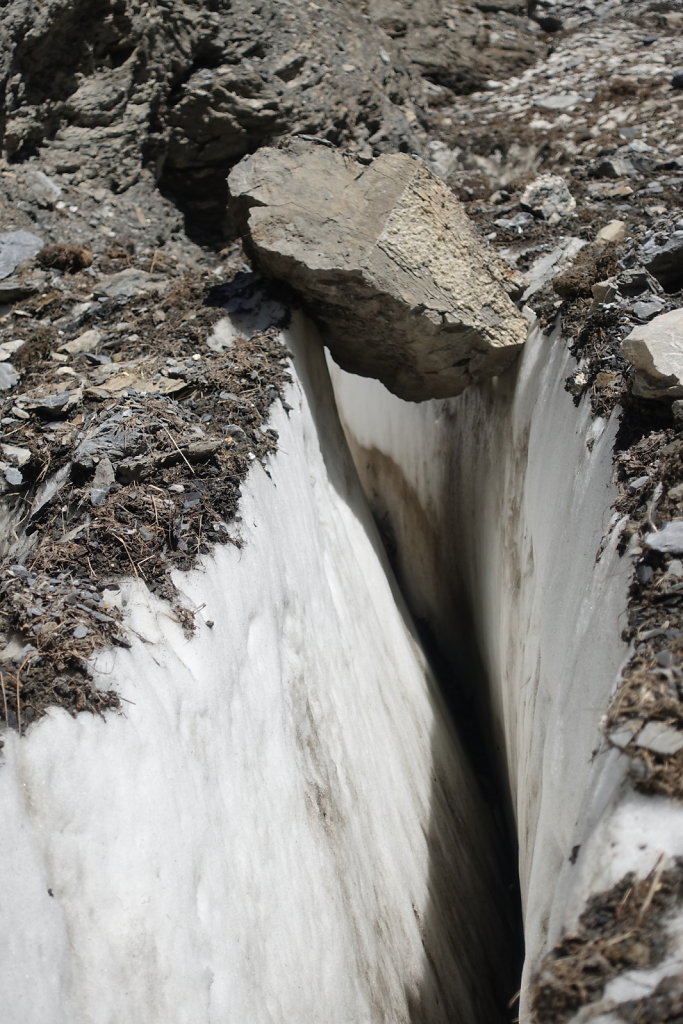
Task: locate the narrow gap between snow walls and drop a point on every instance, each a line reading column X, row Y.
column 501, row 503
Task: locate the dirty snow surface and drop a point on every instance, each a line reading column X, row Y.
column 502, row 497
column 254, row 837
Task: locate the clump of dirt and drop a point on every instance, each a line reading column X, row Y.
column 620, row 929
column 651, row 688
column 70, row 258
column 593, row 263
column 602, row 372
column 663, row 1006
column 127, row 441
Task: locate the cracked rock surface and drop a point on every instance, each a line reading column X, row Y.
column 385, row 259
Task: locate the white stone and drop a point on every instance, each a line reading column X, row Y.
column 549, row 196
column 655, row 350
column 85, row 342
column 613, row 231
column 668, row 539
column 660, row 738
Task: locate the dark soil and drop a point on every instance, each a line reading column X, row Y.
column 175, row 426
column 620, row 929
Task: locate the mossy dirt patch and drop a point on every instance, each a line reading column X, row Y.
column 621, row 928
column 126, row 441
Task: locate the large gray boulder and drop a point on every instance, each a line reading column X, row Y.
column 386, row 260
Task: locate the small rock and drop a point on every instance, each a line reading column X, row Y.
column 660, row 738
column 614, row 231
column 129, row 283
column 12, row 289
column 655, row 349
column 85, row 342
column 635, row 282
column 665, row 260
column 8, row 376
column 613, row 167
column 635, row 485
column 14, row 476
column 10, row 348
column 102, row 481
column 549, row 197
column 668, row 539
column 559, row 101
column 677, row 80
column 516, row 223
column 15, row 247
column 20, row 456
column 675, row 567
column 51, row 405
column 644, row 573
column 603, row 291
column 624, row 733
column 80, row 632
column 646, row 309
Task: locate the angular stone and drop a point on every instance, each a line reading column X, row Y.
column 613, row 231
column 661, row 738
column 85, row 342
column 656, row 351
column 386, row 261
column 669, row 539
column 16, row 246
column 665, row 261
column 549, row 197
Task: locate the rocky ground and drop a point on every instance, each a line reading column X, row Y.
column 129, row 420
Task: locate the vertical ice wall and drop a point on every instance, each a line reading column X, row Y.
column 499, row 501
column 281, row 825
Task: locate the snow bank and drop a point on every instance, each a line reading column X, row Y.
column 499, row 501
column 280, row 826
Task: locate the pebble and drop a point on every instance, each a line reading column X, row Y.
column 614, row 231
column 635, row 485
column 648, row 308
column 8, row 376
column 14, row 476
column 15, row 247
column 668, row 539
column 549, row 197
column 660, row 738
column 644, row 573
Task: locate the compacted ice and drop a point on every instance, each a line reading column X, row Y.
column 499, row 502
column 281, row 825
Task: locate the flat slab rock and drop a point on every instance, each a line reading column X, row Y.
column 386, row 260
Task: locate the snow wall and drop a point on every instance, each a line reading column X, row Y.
column 281, row 826
column 497, row 508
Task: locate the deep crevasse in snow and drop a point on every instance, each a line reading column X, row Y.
column 281, row 825
column 499, row 501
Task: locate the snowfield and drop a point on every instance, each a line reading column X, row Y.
column 281, row 825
